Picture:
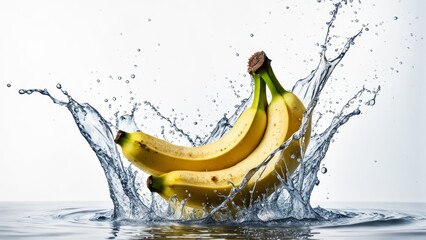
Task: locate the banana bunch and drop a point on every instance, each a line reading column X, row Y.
column 204, row 176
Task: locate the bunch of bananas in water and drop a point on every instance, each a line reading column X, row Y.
column 203, row 176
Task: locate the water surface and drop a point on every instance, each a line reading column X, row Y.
column 80, row 220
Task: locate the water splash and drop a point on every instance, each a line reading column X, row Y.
column 290, row 200
column 98, row 133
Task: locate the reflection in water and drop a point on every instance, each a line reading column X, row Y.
column 115, row 230
column 183, row 231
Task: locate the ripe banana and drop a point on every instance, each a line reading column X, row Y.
column 209, row 189
column 156, row 156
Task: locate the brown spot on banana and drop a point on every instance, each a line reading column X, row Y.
column 144, row 146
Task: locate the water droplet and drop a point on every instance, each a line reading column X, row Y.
column 395, row 18
column 323, row 170
column 106, row 100
column 287, row 7
column 98, row 80
column 195, row 123
column 8, row 85
column 317, row 182
column 132, row 76
column 21, row 91
column 119, row 78
column 367, row 29
column 370, row 102
column 138, row 49
column 149, row 19
column 58, row 86
column 251, row 35
column 127, row 81
column 113, row 98
column 237, row 54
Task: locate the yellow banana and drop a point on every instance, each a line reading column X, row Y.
column 209, row 189
column 156, row 156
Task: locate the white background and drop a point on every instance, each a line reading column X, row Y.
column 189, row 52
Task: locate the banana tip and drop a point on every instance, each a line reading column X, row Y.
column 118, row 136
column 256, row 61
column 149, row 184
